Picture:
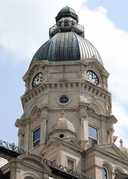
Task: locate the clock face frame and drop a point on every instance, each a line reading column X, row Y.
column 37, row 79
column 92, row 77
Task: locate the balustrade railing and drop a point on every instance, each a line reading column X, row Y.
column 50, row 163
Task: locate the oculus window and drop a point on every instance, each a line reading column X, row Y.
column 64, row 99
column 93, row 136
column 36, row 137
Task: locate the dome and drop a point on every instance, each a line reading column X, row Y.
column 67, row 12
column 123, row 149
column 66, row 46
column 63, row 124
column 67, row 42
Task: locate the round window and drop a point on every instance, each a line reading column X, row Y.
column 64, row 99
column 61, row 136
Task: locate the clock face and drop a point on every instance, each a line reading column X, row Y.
column 37, row 79
column 92, row 77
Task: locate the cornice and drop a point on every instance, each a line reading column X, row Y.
column 45, row 87
column 102, row 117
column 60, row 143
column 22, row 122
column 101, row 150
column 34, row 65
column 61, row 130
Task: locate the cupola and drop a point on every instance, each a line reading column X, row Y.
column 67, row 42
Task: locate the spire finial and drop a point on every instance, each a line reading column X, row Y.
column 121, row 142
column 63, row 114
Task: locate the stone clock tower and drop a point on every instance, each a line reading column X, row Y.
column 67, row 107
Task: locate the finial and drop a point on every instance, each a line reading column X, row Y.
column 121, row 142
column 63, row 114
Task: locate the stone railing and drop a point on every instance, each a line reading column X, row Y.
column 51, row 164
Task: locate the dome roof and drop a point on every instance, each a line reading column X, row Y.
column 66, row 9
column 67, row 12
column 123, row 149
column 63, row 124
column 66, row 46
column 67, row 42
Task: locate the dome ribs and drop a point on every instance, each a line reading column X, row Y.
column 66, row 46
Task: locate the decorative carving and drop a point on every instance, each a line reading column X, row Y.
column 94, row 120
column 35, row 123
column 84, row 116
column 20, row 132
column 66, row 112
column 45, row 99
column 60, row 168
column 108, row 107
column 105, row 84
column 111, row 130
column 82, row 98
column 23, row 116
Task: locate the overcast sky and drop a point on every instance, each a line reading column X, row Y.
column 24, row 27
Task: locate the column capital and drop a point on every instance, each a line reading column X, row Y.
column 20, row 132
column 84, row 116
column 111, row 130
column 44, row 114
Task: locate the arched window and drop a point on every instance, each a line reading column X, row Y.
column 115, row 174
column 104, row 173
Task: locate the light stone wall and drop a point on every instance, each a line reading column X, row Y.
column 42, row 109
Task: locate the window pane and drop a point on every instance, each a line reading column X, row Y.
column 92, row 132
column 36, row 135
column 63, row 99
column 115, row 174
column 92, row 141
column 104, row 173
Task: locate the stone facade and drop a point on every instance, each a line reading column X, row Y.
column 59, row 130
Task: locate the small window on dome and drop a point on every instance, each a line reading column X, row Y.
column 64, row 99
column 61, row 136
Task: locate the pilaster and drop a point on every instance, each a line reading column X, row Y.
column 44, row 115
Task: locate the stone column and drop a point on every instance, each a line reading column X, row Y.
column 43, row 127
column 84, row 131
column 20, row 141
column 43, row 132
column 20, row 136
column 111, row 131
column 13, row 169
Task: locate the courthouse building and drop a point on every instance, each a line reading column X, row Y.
column 66, row 130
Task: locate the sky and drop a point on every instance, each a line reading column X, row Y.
column 24, row 27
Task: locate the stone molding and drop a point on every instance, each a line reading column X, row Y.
column 41, row 88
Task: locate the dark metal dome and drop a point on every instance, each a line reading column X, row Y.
column 66, row 46
column 67, row 42
column 67, row 12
